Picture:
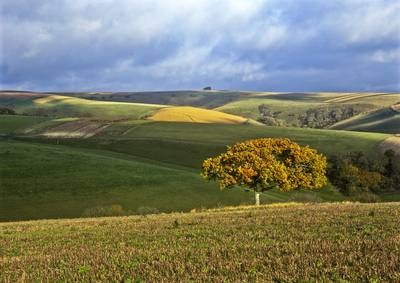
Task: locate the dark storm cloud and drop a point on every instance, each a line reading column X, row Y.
column 232, row 44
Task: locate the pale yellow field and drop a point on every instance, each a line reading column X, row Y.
column 197, row 115
column 74, row 101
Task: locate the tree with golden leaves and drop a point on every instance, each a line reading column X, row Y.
column 267, row 163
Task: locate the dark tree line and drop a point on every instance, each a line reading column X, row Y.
column 354, row 173
column 325, row 117
column 7, row 111
column 319, row 117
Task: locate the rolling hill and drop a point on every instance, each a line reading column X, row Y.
column 311, row 110
column 66, row 106
column 386, row 120
column 138, row 165
column 69, row 154
column 197, row 115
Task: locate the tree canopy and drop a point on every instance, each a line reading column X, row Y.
column 267, row 163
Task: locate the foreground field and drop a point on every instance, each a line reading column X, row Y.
column 53, row 181
column 281, row 243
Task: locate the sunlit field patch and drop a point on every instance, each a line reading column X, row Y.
column 196, row 115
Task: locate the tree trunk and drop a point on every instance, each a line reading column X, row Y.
column 257, row 197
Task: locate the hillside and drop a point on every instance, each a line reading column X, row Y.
column 282, row 243
column 138, row 165
column 311, row 110
column 74, row 156
column 196, row 115
column 66, row 106
column 50, row 105
column 153, row 165
column 48, row 181
column 203, row 99
column 386, row 120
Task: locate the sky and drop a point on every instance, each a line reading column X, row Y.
column 260, row 45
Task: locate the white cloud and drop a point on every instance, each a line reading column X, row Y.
column 385, row 56
column 367, row 21
column 167, row 42
column 191, row 62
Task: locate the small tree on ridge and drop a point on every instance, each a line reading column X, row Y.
column 267, row 163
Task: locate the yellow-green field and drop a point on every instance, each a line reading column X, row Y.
column 346, row 242
column 196, row 115
column 315, row 109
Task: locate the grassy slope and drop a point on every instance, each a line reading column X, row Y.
column 384, row 120
column 197, row 115
column 248, row 107
column 47, row 181
column 64, row 106
column 188, row 143
column 13, row 124
column 288, row 106
column 300, row 243
column 159, row 144
column 204, row 99
column 291, row 105
column 216, row 98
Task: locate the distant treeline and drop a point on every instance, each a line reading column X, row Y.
column 7, row 111
column 354, row 173
column 320, row 117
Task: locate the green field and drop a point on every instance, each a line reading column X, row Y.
column 58, row 181
column 76, row 156
column 384, row 120
column 65, row 106
column 315, row 110
column 277, row 243
column 11, row 124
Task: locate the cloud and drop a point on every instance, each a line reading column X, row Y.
column 157, row 44
column 369, row 21
column 385, row 56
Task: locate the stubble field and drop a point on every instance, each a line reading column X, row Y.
column 281, row 243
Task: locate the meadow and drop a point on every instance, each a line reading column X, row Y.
column 77, row 154
column 274, row 243
column 149, row 168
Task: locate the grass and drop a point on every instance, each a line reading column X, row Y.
column 285, row 243
column 53, row 181
column 11, row 124
column 204, row 99
column 289, row 106
column 65, row 106
column 189, row 143
column 290, row 109
column 140, row 164
column 47, row 181
column 384, row 121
